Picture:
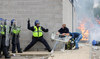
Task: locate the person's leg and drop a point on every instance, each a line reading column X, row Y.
column 13, row 44
column 18, row 45
column 77, row 40
column 0, row 41
column 4, row 48
column 31, row 44
column 0, row 46
column 5, row 51
column 0, row 51
column 42, row 40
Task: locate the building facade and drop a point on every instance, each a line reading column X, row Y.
column 51, row 13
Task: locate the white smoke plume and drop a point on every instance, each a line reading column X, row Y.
column 87, row 14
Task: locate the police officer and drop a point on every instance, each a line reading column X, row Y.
column 15, row 38
column 6, row 24
column 10, row 31
column 37, row 35
column 3, row 46
column 77, row 36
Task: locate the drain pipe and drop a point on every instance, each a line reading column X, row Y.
column 72, row 2
column 72, row 16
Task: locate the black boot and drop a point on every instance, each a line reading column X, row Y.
column 24, row 50
column 7, row 56
column 49, row 50
column 19, row 51
column 13, row 51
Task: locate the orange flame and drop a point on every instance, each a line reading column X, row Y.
column 84, row 32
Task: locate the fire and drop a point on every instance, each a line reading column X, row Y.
column 84, row 32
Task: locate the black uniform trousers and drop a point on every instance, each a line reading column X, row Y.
column 3, row 46
column 36, row 39
column 15, row 43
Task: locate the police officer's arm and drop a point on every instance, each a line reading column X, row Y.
column 45, row 30
column 29, row 27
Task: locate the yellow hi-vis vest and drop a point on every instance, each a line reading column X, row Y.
column 16, row 31
column 37, row 32
column 2, row 30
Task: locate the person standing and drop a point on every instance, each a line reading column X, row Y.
column 62, row 32
column 15, row 38
column 3, row 46
column 37, row 35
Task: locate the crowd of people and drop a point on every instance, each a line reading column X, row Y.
column 13, row 31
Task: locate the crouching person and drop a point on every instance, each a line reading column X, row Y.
column 37, row 35
column 77, row 37
column 15, row 38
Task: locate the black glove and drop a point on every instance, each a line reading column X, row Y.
column 28, row 20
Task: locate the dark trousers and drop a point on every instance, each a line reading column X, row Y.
column 40, row 39
column 15, row 43
column 3, row 47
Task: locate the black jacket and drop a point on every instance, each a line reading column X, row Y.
column 32, row 28
column 65, row 30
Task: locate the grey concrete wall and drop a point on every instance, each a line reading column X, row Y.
column 49, row 12
column 67, row 14
column 69, row 18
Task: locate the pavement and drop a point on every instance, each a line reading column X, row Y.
column 82, row 53
column 95, row 52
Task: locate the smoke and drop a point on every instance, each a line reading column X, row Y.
column 86, row 12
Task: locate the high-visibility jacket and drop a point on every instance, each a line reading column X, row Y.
column 37, row 32
column 2, row 30
column 16, row 31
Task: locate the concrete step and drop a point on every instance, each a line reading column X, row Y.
column 32, row 53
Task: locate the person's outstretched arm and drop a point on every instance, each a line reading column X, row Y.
column 45, row 30
column 29, row 27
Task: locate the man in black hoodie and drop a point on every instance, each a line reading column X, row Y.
column 37, row 35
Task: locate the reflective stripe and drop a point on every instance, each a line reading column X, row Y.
column 37, row 32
